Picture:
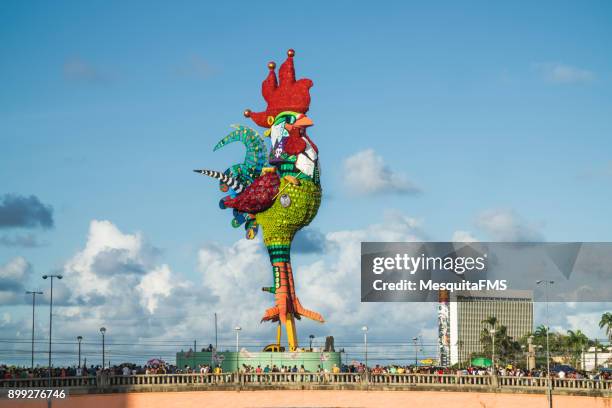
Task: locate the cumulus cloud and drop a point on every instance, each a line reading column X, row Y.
column 329, row 285
column 463, row 236
column 116, row 280
column 13, row 274
column 563, row 74
column 155, row 285
column 506, row 226
column 366, row 173
column 24, row 212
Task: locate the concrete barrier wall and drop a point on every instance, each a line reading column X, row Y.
column 331, row 398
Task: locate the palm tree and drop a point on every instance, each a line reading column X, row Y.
column 540, row 331
column 576, row 341
column 485, row 336
column 506, row 348
column 490, row 321
column 597, row 347
column 606, row 321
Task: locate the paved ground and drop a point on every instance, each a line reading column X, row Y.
column 305, row 399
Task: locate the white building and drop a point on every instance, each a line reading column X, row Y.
column 512, row 308
column 603, row 358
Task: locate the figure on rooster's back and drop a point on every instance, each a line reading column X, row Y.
column 278, row 191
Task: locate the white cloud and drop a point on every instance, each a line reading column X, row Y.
column 329, row 285
column 506, row 226
column 463, row 236
column 564, row 74
column 587, row 322
column 563, row 316
column 13, row 274
column 233, row 277
column 366, row 173
column 15, row 270
column 116, row 282
column 146, row 299
column 157, row 283
column 103, row 236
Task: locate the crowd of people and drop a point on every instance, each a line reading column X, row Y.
column 16, row 372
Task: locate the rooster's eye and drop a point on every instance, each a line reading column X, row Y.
column 286, row 117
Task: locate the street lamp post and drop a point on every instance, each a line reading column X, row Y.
column 546, row 283
column 79, row 339
column 51, row 318
column 459, row 346
column 365, row 343
column 311, row 337
column 492, row 331
column 416, row 357
column 33, row 293
column 103, row 331
column 237, row 328
column 216, row 338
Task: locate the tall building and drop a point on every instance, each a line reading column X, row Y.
column 513, row 309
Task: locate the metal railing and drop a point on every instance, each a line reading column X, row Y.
column 105, row 381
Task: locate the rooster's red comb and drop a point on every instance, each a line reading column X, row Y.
column 284, row 95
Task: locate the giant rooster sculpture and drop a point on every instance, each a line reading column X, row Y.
column 281, row 193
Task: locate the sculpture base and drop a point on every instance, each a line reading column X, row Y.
column 230, row 360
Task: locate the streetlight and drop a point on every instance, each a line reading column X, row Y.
column 237, row 328
column 365, row 343
column 311, row 337
column 459, row 346
column 492, row 331
column 546, row 284
column 415, row 340
column 79, row 339
column 33, row 293
column 51, row 317
column 103, row 331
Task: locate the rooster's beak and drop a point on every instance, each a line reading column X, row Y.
column 303, row 122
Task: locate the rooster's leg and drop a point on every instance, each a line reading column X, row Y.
column 287, row 306
column 286, row 301
column 298, row 309
column 280, row 289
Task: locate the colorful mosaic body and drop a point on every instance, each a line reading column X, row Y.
column 281, row 193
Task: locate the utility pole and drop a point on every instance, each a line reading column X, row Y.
column 365, row 343
column 51, row 320
column 492, row 331
column 237, row 328
column 216, row 338
column 546, row 284
column 103, row 331
column 79, row 339
column 33, row 293
column 459, row 346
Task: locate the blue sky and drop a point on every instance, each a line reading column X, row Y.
column 498, row 114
